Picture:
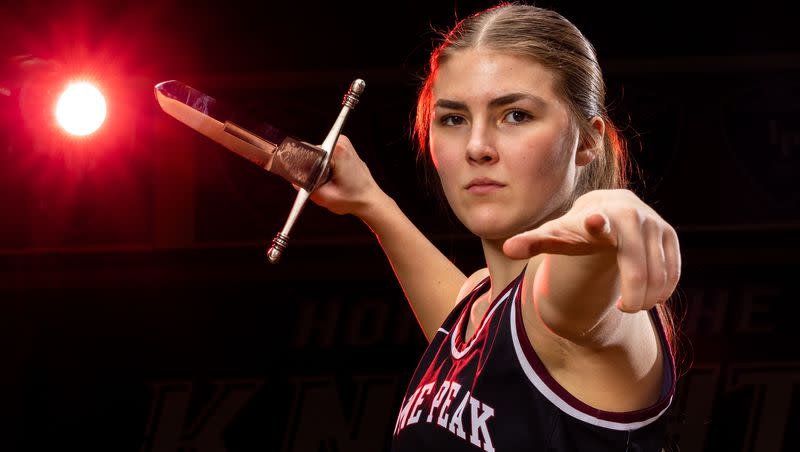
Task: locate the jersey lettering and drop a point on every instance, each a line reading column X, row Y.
column 456, row 423
column 454, row 388
column 480, row 413
column 415, row 412
column 403, row 416
column 479, row 424
column 438, row 399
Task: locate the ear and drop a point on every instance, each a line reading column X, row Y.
column 590, row 147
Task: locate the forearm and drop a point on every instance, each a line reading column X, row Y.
column 574, row 294
column 429, row 280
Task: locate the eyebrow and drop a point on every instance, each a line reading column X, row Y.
column 496, row 102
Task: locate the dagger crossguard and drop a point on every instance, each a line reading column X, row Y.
column 351, row 98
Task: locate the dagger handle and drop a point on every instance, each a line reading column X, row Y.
column 349, row 102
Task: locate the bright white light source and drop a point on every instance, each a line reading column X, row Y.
column 81, row 109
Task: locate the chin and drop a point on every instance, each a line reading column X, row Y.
column 494, row 224
column 492, row 229
column 495, row 234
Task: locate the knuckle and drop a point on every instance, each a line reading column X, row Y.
column 631, row 306
column 631, row 214
column 658, row 278
column 636, row 277
column 649, row 223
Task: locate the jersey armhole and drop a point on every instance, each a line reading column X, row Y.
column 546, row 384
column 472, row 283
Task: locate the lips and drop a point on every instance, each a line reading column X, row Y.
column 483, row 185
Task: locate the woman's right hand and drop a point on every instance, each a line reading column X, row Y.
column 351, row 188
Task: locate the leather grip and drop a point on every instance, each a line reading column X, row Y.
column 299, row 163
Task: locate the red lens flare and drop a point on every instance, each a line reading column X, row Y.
column 81, row 109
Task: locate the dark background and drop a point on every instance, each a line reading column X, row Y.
column 139, row 311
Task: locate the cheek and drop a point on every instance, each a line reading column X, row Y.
column 448, row 179
column 556, row 157
column 443, row 160
column 552, row 163
column 435, row 159
column 435, row 147
column 444, row 170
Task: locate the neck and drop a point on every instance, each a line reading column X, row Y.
column 503, row 269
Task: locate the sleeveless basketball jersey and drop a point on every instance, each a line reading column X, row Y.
column 494, row 393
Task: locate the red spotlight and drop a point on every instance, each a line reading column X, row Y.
column 81, row 109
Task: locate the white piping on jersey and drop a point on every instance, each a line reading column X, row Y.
column 442, row 330
column 558, row 401
column 457, row 329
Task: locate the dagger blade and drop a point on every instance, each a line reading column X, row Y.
column 260, row 143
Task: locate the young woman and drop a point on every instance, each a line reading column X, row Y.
column 562, row 342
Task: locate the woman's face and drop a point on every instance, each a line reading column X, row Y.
column 502, row 142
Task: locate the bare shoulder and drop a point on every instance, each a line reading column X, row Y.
column 472, row 281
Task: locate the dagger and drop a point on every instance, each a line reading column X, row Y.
column 302, row 164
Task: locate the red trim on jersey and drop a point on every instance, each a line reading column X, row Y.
column 459, row 331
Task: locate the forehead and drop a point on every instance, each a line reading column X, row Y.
column 481, row 75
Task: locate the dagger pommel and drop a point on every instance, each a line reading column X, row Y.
column 354, row 93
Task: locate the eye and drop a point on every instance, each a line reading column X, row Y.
column 452, row 120
column 517, row 116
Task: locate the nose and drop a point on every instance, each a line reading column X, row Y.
column 481, row 147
